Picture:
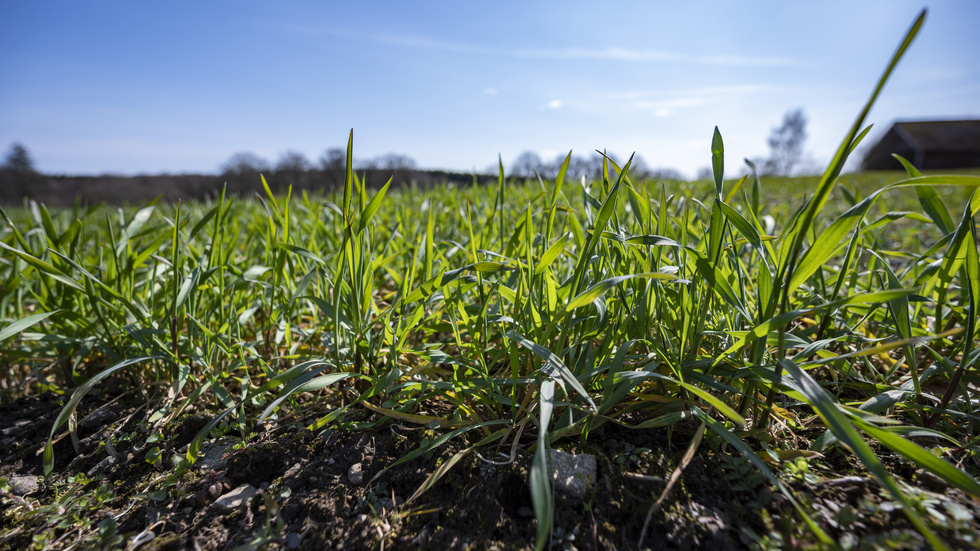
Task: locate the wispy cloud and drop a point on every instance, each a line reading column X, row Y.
column 663, row 103
column 490, row 91
column 607, row 53
column 554, row 104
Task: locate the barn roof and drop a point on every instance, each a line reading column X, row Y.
column 927, row 144
column 944, row 135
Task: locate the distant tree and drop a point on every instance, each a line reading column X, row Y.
column 244, row 163
column 18, row 178
column 639, row 169
column 704, row 173
column 292, row 161
column 578, row 166
column 526, row 165
column 334, row 159
column 786, row 145
column 394, row 161
column 595, row 166
column 666, row 174
column 18, row 160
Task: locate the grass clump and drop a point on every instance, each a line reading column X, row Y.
column 518, row 315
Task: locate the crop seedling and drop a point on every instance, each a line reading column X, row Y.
column 508, row 317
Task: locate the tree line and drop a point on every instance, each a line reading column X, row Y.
column 240, row 174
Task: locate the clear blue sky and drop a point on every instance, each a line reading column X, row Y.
column 145, row 87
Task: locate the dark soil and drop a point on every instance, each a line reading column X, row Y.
column 306, row 498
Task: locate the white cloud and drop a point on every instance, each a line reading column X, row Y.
column 554, row 104
column 662, row 112
column 490, row 91
column 607, row 53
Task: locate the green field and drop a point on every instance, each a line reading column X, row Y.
column 786, row 319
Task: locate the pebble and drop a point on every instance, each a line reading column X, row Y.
column 573, row 474
column 16, row 427
column 103, row 466
column 213, row 460
column 355, row 475
column 96, row 419
column 22, row 485
column 292, row 471
column 235, row 498
column 293, row 540
column 145, row 537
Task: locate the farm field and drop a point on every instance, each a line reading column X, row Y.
column 753, row 363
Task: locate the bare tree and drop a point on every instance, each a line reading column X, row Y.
column 639, row 169
column 334, row 159
column 244, row 163
column 595, row 165
column 394, row 161
column 526, row 164
column 667, row 174
column 292, row 161
column 786, row 145
column 578, row 166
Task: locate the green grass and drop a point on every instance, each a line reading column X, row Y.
column 541, row 310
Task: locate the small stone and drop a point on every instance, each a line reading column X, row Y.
column 293, row 540
column 7, row 443
column 314, row 479
column 573, row 474
column 96, row 419
column 235, row 499
column 355, row 475
column 104, row 466
column 16, row 428
column 214, row 460
column 292, row 471
column 141, row 539
column 22, row 485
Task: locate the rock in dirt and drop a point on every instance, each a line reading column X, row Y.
column 16, row 428
column 97, row 418
column 292, row 471
column 235, row 498
column 22, row 485
column 573, row 474
column 355, row 474
column 293, row 540
column 214, row 459
column 104, row 466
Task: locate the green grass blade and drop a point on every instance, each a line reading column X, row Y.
column 540, row 478
column 552, row 366
column 21, row 324
column 372, row 207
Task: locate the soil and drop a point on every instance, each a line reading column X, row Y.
column 108, row 497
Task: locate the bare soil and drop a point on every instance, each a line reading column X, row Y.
column 307, row 499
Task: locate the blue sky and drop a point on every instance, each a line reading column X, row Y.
column 147, row 87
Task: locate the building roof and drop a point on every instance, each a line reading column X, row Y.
column 927, row 145
column 944, row 135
